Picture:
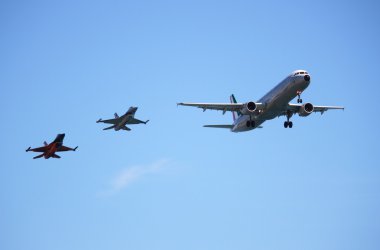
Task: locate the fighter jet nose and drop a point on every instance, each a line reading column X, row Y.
column 307, row 78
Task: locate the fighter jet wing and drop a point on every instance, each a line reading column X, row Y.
column 64, row 148
column 136, row 121
column 40, row 149
column 110, row 121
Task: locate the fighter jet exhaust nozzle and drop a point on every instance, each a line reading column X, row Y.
column 248, row 108
column 306, row 109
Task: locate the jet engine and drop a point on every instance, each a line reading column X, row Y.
column 248, row 108
column 306, row 109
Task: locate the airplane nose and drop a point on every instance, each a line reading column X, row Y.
column 307, row 78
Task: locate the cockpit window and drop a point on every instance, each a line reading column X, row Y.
column 301, row 73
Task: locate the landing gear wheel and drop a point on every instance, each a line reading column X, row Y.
column 251, row 124
column 287, row 123
column 299, row 100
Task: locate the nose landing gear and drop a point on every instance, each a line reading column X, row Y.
column 299, row 100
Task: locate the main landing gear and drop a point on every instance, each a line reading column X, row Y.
column 299, row 100
column 251, row 123
column 288, row 124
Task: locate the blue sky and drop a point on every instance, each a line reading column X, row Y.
column 173, row 184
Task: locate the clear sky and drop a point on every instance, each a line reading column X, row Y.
column 172, row 184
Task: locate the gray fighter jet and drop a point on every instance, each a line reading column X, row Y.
column 120, row 122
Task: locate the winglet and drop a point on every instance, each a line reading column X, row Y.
column 75, row 148
column 27, row 150
column 100, row 119
column 146, row 121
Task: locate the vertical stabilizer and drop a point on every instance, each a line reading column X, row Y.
column 116, row 115
column 235, row 115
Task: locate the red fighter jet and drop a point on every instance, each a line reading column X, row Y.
column 49, row 150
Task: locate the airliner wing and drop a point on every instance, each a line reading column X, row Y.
column 296, row 107
column 219, row 106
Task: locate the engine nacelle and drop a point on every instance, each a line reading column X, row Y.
column 248, row 108
column 306, row 109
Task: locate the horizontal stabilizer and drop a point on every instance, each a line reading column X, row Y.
column 56, row 156
column 219, row 126
column 113, row 126
column 126, row 128
column 38, row 156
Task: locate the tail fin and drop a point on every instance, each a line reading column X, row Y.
column 235, row 115
column 116, row 115
column 45, row 143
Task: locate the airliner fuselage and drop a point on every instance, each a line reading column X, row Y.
column 275, row 101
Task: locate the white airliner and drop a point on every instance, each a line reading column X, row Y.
column 275, row 103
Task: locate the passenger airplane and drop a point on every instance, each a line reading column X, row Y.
column 49, row 150
column 120, row 122
column 275, row 103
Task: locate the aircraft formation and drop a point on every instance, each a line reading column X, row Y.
column 246, row 116
column 49, row 150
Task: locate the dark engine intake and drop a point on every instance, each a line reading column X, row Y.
column 248, row 108
column 306, row 109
